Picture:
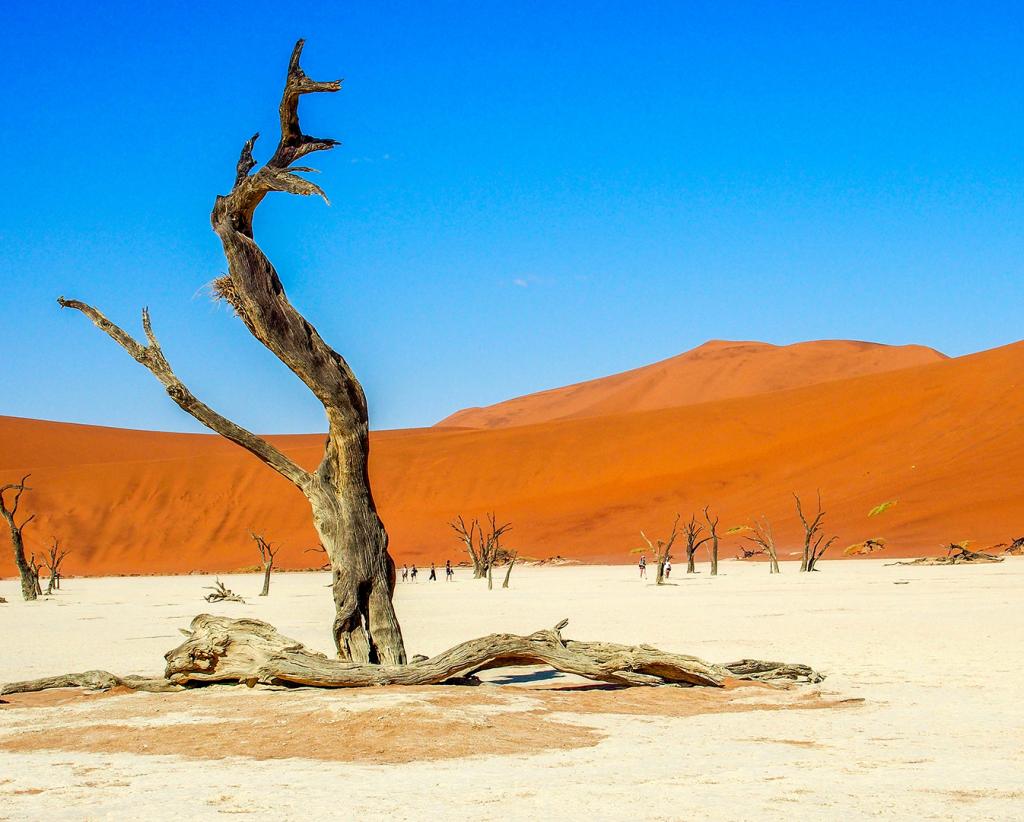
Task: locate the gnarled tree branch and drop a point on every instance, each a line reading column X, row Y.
column 221, row 649
column 152, row 357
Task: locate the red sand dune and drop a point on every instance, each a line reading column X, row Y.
column 943, row 438
column 717, row 370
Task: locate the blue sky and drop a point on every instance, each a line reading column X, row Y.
column 528, row 195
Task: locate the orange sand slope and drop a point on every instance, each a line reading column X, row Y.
column 717, row 370
column 943, row 438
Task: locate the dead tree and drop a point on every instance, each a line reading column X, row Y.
column 508, row 569
column 338, row 490
column 815, row 544
column 762, row 541
column 267, row 554
column 366, row 631
column 662, row 550
column 467, row 535
column 713, row 536
column 9, row 509
column 486, row 551
column 693, row 542
column 36, row 565
column 221, row 593
column 55, row 556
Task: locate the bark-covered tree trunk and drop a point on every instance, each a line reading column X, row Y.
column 508, row 571
column 366, row 628
column 693, row 542
column 9, row 510
column 713, row 530
column 266, row 580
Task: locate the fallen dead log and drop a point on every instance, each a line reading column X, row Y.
column 958, row 555
column 221, row 649
column 92, row 680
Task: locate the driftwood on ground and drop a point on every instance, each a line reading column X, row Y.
column 221, row 593
column 221, row 649
column 955, row 555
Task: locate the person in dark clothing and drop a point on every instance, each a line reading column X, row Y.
column 413, row 573
column 433, row 573
column 449, row 572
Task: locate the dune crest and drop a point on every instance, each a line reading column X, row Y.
column 716, row 370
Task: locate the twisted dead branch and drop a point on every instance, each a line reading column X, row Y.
column 221, row 593
column 221, row 649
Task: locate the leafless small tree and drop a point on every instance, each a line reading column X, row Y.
column 713, row 536
column 221, row 593
column 693, row 542
column 815, row 544
column 267, row 554
column 55, row 556
column 467, row 535
column 10, row 499
column 483, row 545
column 762, row 542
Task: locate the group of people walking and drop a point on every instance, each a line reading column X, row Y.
column 409, row 574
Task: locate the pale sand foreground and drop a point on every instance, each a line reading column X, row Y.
column 937, row 661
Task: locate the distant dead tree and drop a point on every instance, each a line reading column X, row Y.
column 55, row 556
column 661, row 549
column 267, row 554
column 221, row 593
column 713, row 536
column 508, row 568
column 338, row 490
column 36, row 565
column 868, row 546
column 483, row 545
column 9, row 509
column 762, row 542
column 693, row 542
column 467, row 535
column 319, row 549
column 815, row 544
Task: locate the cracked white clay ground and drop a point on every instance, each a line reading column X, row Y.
column 939, row 733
